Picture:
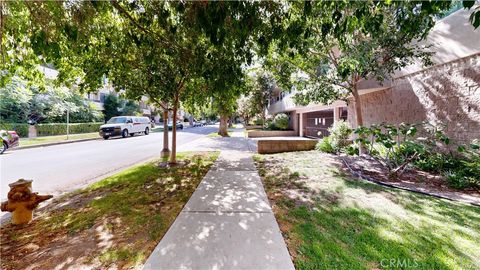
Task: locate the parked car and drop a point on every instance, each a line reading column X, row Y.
column 124, row 126
column 9, row 139
column 179, row 125
column 203, row 122
column 196, row 124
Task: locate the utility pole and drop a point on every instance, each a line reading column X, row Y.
column 68, row 120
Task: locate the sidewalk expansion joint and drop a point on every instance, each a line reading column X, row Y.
column 227, row 212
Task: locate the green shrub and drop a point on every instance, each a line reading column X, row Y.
column 281, row 121
column 340, row 133
column 269, row 125
column 339, row 139
column 459, row 180
column 61, row 128
column 461, row 169
column 21, row 129
column 325, row 145
column 437, row 162
column 352, row 150
column 258, row 122
column 397, row 147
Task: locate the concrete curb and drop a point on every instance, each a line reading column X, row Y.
column 50, row 144
column 5, row 218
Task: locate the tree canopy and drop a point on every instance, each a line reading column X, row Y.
column 191, row 52
column 336, row 44
column 168, row 51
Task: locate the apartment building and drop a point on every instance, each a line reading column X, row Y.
column 446, row 93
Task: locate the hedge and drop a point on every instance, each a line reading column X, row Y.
column 21, row 129
column 61, row 128
column 53, row 128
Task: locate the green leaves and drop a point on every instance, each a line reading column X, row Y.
column 468, row 3
column 475, row 17
column 347, row 67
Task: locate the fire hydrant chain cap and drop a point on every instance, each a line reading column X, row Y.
column 20, row 182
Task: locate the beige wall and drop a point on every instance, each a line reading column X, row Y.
column 448, row 94
column 280, row 146
column 451, row 38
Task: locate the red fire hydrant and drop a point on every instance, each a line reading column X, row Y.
column 22, row 201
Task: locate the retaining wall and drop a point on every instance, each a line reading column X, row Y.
column 271, row 133
column 279, row 146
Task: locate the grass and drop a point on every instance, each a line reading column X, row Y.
column 336, row 222
column 157, row 129
column 59, row 138
column 215, row 134
column 114, row 223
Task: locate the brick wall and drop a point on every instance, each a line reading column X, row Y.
column 279, row 146
column 448, row 94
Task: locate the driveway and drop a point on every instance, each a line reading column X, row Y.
column 59, row 168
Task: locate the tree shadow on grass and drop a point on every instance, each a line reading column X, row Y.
column 115, row 222
column 436, row 208
column 355, row 224
column 335, row 237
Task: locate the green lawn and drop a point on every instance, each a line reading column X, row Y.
column 331, row 221
column 215, row 134
column 112, row 224
column 157, row 129
column 60, row 138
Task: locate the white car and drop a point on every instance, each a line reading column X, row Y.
column 124, row 126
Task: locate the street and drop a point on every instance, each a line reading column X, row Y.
column 60, row 168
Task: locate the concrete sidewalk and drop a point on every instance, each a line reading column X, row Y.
column 228, row 222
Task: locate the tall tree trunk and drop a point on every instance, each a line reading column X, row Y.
column 165, row 151
column 263, row 118
column 223, row 128
column 173, row 156
column 358, row 113
column 358, row 107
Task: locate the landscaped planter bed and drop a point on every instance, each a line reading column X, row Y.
column 413, row 179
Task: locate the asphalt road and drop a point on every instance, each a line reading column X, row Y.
column 60, row 168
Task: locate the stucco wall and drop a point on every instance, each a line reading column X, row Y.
column 280, row 146
column 447, row 93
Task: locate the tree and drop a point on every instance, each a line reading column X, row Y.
column 145, row 48
column 130, row 107
column 151, row 48
column 110, row 106
column 265, row 84
column 337, row 44
column 20, row 103
column 244, row 108
column 15, row 102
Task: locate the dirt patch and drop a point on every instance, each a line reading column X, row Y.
column 411, row 179
column 113, row 224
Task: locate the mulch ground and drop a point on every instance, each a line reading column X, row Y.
column 411, row 179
